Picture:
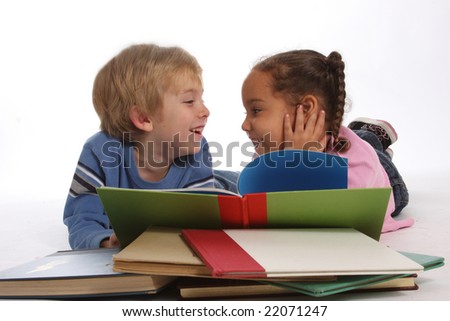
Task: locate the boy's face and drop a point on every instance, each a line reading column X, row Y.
column 181, row 121
column 265, row 112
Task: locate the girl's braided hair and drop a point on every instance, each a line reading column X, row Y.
column 301, row 72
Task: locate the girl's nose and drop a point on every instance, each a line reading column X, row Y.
column 246, row 125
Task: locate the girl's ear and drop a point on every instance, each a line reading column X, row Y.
column 141, row 121
column 310, row 105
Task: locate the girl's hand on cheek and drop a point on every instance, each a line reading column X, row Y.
column 310, row 136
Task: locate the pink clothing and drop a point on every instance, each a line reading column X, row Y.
column 365, row 171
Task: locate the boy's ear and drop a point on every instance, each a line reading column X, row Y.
column 141, row 121
column 310, row 105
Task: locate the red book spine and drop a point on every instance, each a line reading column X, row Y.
column 245, row 212
column 222, row 255
column 231, row 210
column 256, row 209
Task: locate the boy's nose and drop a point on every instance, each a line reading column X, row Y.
column 204, row 112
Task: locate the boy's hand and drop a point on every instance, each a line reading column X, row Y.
column 310, row 136
column 113, row 241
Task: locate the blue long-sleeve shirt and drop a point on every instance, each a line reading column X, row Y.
column 107, row 161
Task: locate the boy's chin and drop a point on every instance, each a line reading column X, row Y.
column 189, row 150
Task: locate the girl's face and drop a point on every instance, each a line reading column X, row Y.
column 265, row 112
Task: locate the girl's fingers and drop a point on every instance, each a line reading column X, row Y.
column 305, row 136
column 288, row 132
column 299, row 120
column 319, row 129
column 310, row 126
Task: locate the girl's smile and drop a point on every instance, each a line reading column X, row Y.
column 265, row 112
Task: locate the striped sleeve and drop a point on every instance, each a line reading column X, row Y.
column 205, row 182
column 85, row 181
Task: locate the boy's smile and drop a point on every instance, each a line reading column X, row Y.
column 198, row 132
column 183, row 117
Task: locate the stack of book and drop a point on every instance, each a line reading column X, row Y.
column 218, row 264
column 237, row 263
column 293, row 228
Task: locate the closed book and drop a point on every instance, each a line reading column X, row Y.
column 265, row 253
column 369, row 282
column 296, row 253
column 159, row 251
column 162, row 251
column 213, row 288
column 75, row 273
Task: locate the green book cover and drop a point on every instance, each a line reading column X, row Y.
column 289, row 188
column 131, row 211
column 355, row 282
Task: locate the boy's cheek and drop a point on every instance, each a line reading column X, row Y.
column 187, row 146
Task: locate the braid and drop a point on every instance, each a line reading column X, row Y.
column 297, row 73
column 337, row 86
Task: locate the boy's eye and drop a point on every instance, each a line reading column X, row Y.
column 190, row 102
column 256, row 110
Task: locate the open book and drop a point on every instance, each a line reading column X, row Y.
column 280, row 189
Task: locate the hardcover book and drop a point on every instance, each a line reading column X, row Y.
column 75, row 273
column 162, row 251
column 287, row 254
column 266, row 253
column 369, row 282
column 277, row 190
column 213, row 288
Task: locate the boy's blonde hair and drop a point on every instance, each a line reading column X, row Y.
column 139, row 75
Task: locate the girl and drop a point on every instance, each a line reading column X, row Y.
column 296, row 100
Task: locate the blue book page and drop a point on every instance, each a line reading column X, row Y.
column 293, row 170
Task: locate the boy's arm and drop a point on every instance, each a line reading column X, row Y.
column 84, row 215
column 86, row 221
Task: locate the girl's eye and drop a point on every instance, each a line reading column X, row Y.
column 252, row 111
column 189, row 102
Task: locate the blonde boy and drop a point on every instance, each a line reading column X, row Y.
column 149, row 101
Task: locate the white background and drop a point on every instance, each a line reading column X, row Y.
column 397, row 56
column 396, row 53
